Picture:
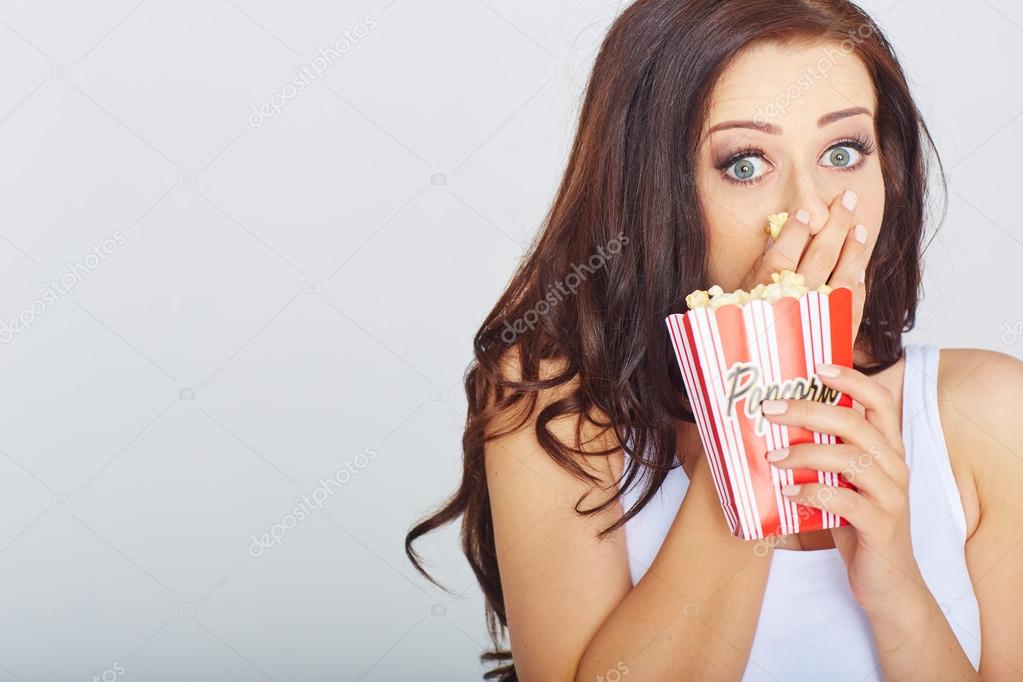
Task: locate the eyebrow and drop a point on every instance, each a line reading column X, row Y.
column 772, row 129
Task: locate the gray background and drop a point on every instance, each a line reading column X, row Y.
column 291, row 295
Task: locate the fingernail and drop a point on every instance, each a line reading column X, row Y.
column 774, row 406
column 861, row 234
column 803, row 216
column 863, row 277
column 827, row 370
column 849, row 199
column 775, row 455
column 790, row 489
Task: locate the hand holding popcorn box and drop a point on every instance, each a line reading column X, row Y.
column 737, row 349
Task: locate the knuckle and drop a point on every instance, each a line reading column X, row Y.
column 897, row 504
column 794, row 227
column 847, row 419
column 857, row 463
column 822, row 260
column 778, row 260
column 799, row 408
column 844, row 501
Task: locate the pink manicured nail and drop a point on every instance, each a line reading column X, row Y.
column 860, row 233
column 803, row 216
column 849, row 200
column 790, row 489
column 827, row 370
column 774, row 406
column 775, row 455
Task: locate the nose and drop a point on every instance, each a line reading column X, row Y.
column 806, row 191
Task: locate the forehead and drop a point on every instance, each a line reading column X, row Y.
column 796, row 82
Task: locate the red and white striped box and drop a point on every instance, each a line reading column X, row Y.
column 735, row 356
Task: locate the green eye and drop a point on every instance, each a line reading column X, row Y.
column 841, row 157
column 744, row 169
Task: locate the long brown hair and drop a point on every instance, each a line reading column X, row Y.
column 628, row 184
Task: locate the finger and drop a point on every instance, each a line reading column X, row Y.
column 857, row 467
column 850, row 505
column 783, row 253
column 852, row 260
column 851, row 270
column 822, row 253
column 877, row 401
column 846, row 423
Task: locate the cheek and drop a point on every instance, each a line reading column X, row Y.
column 733, row 248
column 871, row 209
column 734, row 242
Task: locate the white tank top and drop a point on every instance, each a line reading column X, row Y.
column 811, row 626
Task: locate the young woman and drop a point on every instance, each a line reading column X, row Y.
column 589, row 515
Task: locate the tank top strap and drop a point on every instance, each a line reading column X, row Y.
column 922, row 434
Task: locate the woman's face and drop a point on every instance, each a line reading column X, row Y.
column 745, row 171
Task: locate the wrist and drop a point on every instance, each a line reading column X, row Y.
column 907, row 611
column 899, row 585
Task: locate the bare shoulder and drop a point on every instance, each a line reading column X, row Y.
column 978, row 392
column 559, row 580
column 518, row 424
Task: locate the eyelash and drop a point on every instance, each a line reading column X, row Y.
column 858, row 142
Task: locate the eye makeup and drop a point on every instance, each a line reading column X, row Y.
column 859, row 141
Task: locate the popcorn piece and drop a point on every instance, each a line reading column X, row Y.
column 784, row 283
column 737, row 297
column 697, row 299
column 775, row 222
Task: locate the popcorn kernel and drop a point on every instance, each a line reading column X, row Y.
column 775, row 222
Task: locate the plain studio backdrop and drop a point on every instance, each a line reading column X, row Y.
column 224, row 294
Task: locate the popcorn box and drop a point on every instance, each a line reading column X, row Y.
column 735, row 356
